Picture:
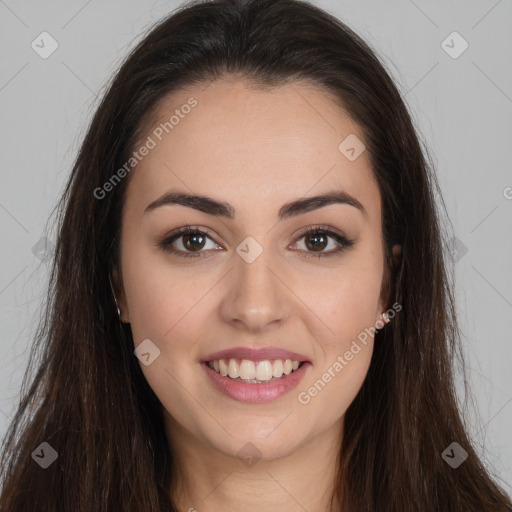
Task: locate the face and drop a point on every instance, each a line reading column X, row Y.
column 247, row 277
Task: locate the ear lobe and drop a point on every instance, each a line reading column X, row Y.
column 396, row 258
column 119, row 294
column 396, row 255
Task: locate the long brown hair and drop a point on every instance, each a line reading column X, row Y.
column 88, row 398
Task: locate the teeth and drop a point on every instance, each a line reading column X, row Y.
column 223, row 368
column 234, row 369
column 250, row 371
column 247, row 369
column 264, row 370
column 278, row 368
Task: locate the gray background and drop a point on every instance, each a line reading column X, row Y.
column 462, row 107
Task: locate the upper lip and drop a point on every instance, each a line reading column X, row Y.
column 254, row 354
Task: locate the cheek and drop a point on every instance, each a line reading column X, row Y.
column 347, row 300
column 165, row 306
column 160, row 294
column 343, row 357
column 325, row 398
column 170, row 302
column 348, row 304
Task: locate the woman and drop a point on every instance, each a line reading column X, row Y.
column 249, row 304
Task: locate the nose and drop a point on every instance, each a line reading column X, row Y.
column 256, row 297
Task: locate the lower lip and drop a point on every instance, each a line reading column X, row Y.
column 244, row 392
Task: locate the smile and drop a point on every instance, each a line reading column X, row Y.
column 255, row 381
column 254, row 371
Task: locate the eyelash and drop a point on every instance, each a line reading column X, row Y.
column 344, row 242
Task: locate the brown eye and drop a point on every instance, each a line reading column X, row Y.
column 194, row 242
column 316, row 241
column 188, row 242
column 319, row 238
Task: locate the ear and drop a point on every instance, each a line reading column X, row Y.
column 396, row 255
column 117, row 283
column 396, row 258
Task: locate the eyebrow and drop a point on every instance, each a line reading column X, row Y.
column 222, row 209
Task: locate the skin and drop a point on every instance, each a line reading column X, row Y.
column 256, row 150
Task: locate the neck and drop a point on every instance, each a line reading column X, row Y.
column 209, row 480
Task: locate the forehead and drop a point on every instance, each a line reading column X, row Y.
column 251, row 147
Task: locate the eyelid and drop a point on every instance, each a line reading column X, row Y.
column 342, row 240
column 170, row 238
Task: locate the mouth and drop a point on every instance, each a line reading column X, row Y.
column 254, row 372
column 252, row 378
